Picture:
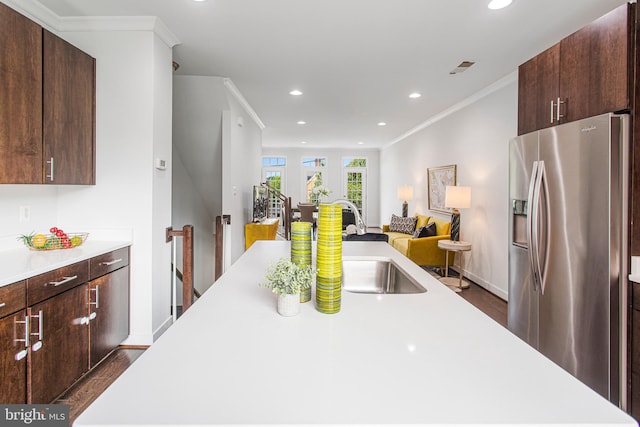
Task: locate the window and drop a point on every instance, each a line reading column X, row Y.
column 273, row 173
column 354, row 182
column 314, row 175
column 350, row 162
column 274, row 162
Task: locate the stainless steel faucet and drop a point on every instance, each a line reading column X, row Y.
column 360, row 227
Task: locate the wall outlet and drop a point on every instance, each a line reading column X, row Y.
column 24, row 214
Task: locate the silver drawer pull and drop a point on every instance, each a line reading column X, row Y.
column 65, row 279
column 2, row 304
column 111, row 262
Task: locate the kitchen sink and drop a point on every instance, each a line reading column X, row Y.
column 377, row 277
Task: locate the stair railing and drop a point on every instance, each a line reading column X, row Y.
column 221, row 221
column 187, row 268
column 286, row 202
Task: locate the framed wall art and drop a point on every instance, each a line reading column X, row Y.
column 437, row 180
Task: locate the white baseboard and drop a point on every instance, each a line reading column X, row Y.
column 162, row 328
column 484, row 284
column 142, row 340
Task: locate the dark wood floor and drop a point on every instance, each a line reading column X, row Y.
column 85, row 391
column 491, row 305
column 93, row 384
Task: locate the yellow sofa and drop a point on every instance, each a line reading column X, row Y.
column 422, row 250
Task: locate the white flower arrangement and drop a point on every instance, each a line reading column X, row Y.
column 287, row 277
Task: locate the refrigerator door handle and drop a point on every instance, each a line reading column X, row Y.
column 532, row 224
column 544, row 186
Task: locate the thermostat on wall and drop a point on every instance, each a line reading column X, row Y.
column 161, row 164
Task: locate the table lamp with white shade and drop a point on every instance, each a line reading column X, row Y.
column 405, row 192
column 457, row 198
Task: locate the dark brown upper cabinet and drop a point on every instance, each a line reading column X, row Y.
column 47, row 111
column 586, row 74
column 21, row 103
column 69, row 113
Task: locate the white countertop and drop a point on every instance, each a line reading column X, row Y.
column 428, row 358
column 19, row 263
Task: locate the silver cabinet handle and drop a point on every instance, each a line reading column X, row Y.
column 26, row 331
column 96, row 302
column 65, row 279
column 558, row 115
column 111, row 262
column 50, row 161
column 551, row 109
column 2, row 304
column 40, row 325
column 93, row 315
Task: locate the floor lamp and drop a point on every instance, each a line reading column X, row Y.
column 456, row 198
column 405, row 192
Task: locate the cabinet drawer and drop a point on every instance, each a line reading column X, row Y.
column 54, row 282
column 13, row 298
column 103, row 264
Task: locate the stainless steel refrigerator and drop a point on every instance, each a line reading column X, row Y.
column 568, row 247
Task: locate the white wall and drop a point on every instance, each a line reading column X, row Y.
column 133, row 125
column 333, row 180
column 189, row 209
column 241, row 152
column 198, row 104
column 475, row 138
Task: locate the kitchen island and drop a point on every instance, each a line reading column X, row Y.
column 428, row 358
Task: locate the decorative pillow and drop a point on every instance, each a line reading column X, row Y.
column 403, row 224
column 426, row 231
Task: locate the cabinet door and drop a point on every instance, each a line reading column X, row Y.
column 109, row 300
column 13, row 358
column 21, row 105
column 537, row 89
column 69, row 113
column 594, row 67
column 59, row 342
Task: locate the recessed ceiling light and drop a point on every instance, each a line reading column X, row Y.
column 301, row 122
column 360, row 143
column 295, row 92
column 499, row 4
column 303, row 142
column 382, row 123
column 415, row 95
column 199, row 1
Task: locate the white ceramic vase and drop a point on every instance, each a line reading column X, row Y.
column 288, row 304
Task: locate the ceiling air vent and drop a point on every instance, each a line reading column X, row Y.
column 463, row 66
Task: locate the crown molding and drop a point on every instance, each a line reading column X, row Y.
column 119, row 23
column 243, row 102
column 36, row 11
column 47, row 18
column 508, row 79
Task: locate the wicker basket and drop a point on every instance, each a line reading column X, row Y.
column 54, row 242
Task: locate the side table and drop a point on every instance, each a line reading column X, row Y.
column 455, row 247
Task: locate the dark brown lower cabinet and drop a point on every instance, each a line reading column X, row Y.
column 55, row 326
column 108, row 313
column 58, row 346
column 13, row 358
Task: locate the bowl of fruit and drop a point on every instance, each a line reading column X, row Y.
column 55, row 239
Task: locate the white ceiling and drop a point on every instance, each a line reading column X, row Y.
column 355, row 60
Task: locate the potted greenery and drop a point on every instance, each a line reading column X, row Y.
column 286, row 279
